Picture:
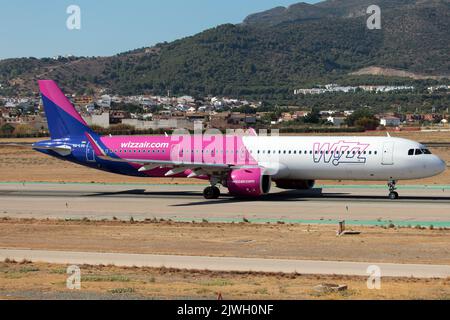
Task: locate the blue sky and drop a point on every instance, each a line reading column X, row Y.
column 38, row 28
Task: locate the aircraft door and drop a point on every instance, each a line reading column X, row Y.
column 90, row 156
column 388, row 153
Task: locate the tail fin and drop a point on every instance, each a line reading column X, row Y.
column 62, row 117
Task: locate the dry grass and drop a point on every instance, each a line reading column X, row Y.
column 162, row 283
column 281, row 241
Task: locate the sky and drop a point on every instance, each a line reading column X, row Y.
column 30, row 28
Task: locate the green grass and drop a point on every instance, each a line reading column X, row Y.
column 101, row 278
column 28, row 269
column 121, row 290
column 217, row 282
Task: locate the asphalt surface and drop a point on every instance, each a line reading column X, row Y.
column 186, row 203
column 228, row 263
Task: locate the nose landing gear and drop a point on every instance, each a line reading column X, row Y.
column 211, row 192
column 393, row 195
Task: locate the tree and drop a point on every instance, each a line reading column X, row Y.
column 359, row 115
column 6, row 129
column 313, row 117
column 367, row 123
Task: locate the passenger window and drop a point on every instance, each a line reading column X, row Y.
column 411, row 152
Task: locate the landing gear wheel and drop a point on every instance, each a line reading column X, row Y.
column 393, row 195
column 216, row 192
column 211, row 193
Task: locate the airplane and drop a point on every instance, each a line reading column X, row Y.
column 246, row 165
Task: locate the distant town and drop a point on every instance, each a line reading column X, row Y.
column 24, row 116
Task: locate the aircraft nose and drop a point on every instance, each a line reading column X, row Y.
column 441, row 165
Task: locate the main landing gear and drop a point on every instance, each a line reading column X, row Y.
column 211, row 192
column 393, row 195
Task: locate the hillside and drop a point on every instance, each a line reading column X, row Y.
column 267, row 55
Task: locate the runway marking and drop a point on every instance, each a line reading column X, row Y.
column 399, row 223
column 227, row 263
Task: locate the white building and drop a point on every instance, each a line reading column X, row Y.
column 336, row 121
column 105, row 101
column 156, row 124
column 101, row 120
column 390, row 121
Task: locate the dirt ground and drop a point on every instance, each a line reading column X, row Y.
column 20, row 163
column 278, row 241
column 25, row 280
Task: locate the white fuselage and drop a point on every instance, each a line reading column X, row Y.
column 343, row 158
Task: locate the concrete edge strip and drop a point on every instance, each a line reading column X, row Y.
column 227, row 263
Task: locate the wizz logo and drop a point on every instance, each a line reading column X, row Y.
column 340, row 152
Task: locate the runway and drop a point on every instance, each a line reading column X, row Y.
column 228, row 263
column 355, row 204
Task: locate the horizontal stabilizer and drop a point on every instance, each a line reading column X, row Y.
column 62, row 150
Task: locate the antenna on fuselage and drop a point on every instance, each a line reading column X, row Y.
column 165, row 133
column 388, row 134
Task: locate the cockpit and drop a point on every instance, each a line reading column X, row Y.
column 416, row 152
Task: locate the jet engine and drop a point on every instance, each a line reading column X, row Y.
column 248, row 182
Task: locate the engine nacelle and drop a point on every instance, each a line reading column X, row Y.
column 295, row 184
column 248, row 182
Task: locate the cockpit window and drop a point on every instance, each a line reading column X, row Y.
column 411, row 152
column 418, row 151
column 426, row 151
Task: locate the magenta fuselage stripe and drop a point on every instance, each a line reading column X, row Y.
column 228, row 150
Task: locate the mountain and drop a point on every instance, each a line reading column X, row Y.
column 267, row 55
